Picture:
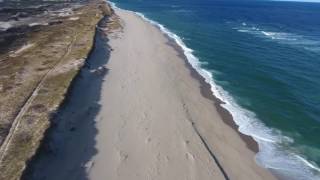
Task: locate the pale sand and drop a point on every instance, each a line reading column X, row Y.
column 144, row 118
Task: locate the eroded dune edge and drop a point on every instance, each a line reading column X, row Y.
column 37, row 69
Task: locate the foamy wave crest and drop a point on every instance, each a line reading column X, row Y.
column 271, row 155
column 113, row 5
column 281, row 37
column 5, row 25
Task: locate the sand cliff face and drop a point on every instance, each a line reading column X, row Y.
column 42, row 49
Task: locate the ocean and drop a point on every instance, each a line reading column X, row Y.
column 262, row 58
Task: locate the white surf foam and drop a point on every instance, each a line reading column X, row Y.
column 294, row 40
column 271, row 155
column 4, row 25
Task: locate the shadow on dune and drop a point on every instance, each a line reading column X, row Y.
column 69, row 144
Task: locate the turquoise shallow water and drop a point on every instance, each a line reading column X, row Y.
column 264, row 60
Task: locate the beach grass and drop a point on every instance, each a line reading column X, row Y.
column 48, row 67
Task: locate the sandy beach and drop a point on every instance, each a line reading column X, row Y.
column 146, row 117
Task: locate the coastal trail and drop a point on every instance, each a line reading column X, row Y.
column 25, row 107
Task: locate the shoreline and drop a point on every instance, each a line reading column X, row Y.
column 252, row 140
column 205, row 87
column 149, row 118
column 205, row 90
column 207, row 93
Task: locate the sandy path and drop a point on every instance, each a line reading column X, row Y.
column 150, row 120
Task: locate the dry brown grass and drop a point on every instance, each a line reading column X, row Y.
column 20, row 76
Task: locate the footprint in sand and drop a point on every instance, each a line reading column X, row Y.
column 123, row 156
column 148, row 140
column 189, row 156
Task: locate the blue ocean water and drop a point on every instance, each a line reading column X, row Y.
column 263, row 59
